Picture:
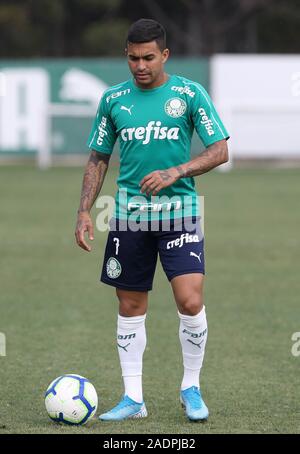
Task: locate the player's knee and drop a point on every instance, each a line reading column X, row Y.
column 130, row 306
column 191, row 305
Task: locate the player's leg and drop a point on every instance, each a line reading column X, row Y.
column 136, row 257
column 188, row 293
column 132, row 304
column 182, row 256
column 131, row 340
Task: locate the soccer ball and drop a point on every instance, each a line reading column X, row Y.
column 71, row 399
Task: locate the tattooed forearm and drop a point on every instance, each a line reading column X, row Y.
column 190, row 172
column 181, row 172
column 212, row 157
column 94, row 175
column 164, row 175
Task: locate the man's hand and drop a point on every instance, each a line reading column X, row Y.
column 84, row 224
column 160, row 179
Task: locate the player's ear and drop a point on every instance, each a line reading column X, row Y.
column 165, row 55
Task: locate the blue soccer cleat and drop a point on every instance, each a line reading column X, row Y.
column 125, row 409
column 194, row 405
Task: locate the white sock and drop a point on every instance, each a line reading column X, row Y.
column 131, row 338
column 192, row 335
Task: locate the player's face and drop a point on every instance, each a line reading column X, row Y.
column 146, row 62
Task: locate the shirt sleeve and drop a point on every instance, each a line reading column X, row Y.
column 103, row 133
column 206, row 120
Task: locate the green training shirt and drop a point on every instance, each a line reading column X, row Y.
column 155, row 128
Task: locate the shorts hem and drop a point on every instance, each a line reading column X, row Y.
column 180, row 273
column 126, row 286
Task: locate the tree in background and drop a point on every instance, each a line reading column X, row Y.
column 205, row 27
column 66, row 28
column 61, row 28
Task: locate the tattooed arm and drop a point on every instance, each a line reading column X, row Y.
column 94, row 175
column 213, row 156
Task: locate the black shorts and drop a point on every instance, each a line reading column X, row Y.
column 131, row 256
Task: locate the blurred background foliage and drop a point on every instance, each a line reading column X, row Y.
column 70, row 28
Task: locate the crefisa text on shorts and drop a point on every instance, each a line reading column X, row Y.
column 174, row 443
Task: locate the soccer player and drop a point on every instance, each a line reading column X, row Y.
column 153, row 115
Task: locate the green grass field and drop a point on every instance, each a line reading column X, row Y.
column 58, row 318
